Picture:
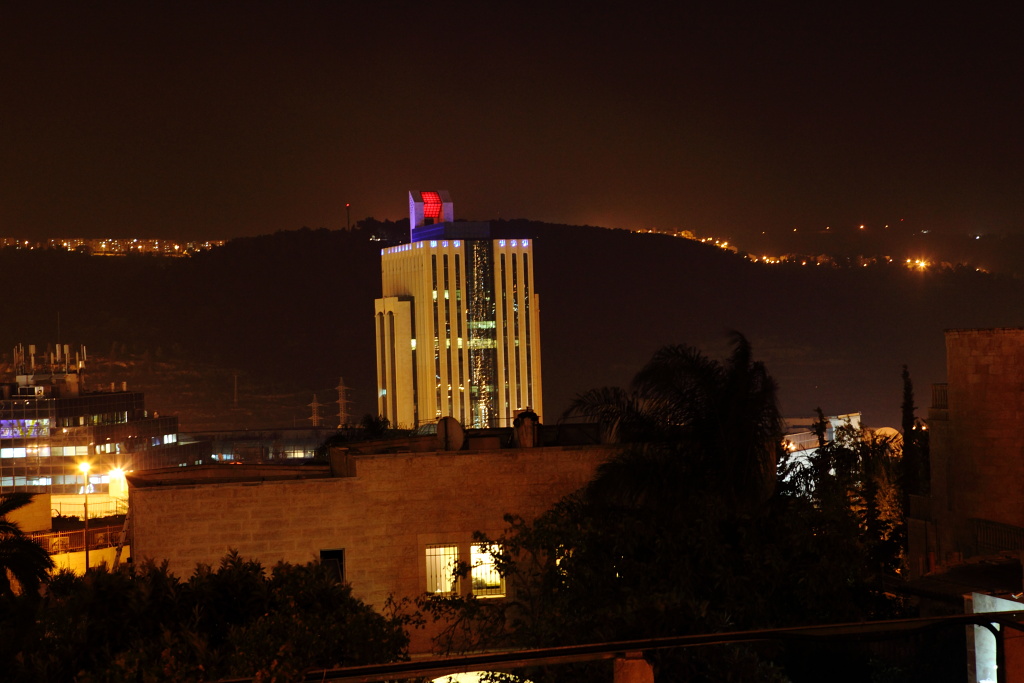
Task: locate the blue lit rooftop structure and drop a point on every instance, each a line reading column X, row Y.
column 456, row 230
column 432, row 217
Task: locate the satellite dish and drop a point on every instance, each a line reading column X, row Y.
column 450, row 434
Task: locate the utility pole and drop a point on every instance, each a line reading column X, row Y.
column 315, row 405
column 344, row 414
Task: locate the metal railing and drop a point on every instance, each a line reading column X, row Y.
column 994, row 537
column 55, row 542
column 108, row 508
column 997, row 623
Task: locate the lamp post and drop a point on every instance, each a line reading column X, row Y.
column 84, row 466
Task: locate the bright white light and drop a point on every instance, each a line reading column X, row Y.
column 471, row 677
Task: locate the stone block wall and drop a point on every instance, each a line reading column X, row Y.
column 383, row 517
column 986, row 417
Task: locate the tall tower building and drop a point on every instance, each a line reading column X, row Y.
column 458, row 322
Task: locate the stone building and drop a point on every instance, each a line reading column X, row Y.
column 392, row 522
column 976, row 422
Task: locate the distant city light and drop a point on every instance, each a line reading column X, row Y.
column 115, row 247
column 806, row 259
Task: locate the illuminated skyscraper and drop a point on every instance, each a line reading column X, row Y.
column 458, row 323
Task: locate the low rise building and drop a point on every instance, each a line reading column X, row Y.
column 393, row 517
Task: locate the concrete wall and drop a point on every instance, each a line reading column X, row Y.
column 35, row 516
column 383, row 517
column 75, row 561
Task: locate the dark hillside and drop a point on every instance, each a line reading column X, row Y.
column 291, row 312
column 832, row 337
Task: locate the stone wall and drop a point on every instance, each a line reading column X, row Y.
column 977, row 440
column 986, row 411
column 383, row 517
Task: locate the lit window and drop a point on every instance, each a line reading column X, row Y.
column 487, row 580
column 442, row 561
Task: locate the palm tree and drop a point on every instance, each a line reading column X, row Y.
column 24, row 564
column 692, row 421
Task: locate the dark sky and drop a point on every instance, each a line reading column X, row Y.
column 222, row 119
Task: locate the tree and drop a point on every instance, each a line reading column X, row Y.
column 684, row 531
column 916, row 472
column 24, row 564
column 375, row 427
column 713, row 421
column 853, row 482
column 141, row 623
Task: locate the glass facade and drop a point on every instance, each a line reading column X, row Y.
column 43, row 439
column 482, row 333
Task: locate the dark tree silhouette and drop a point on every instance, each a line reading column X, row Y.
column 915, row 474
column 687, row 529
column 24, row 565
column 141, row 623
column 716, row 422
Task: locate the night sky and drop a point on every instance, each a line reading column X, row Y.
column 224, row 119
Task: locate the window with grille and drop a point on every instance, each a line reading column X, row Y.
column 487, row 581
column 442, row 561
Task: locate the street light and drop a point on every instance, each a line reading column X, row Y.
column 84, row 466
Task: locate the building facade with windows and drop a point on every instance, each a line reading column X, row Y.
column 391, row 522
column 50, row 424
column 458, row 323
